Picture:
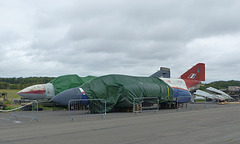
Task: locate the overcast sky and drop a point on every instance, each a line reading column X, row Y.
column 132, row 37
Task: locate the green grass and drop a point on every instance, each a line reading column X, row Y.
column 11, row 94
column 229, row 140
column 199, row 100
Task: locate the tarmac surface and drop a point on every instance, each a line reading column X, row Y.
column 201, row 125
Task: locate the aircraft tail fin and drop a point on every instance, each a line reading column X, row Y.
column 197, row 72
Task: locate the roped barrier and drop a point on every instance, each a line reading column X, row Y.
column 18, row 105
column 86, row 107
column 145, row 104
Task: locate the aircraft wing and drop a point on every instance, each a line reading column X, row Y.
column 219, row 93
column 204, row 94
column 219, row 97
column 199, row 98
column 208, row 95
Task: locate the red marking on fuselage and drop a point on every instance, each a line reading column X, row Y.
column 34, row 92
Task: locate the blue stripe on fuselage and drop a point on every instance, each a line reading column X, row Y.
column 182, row 95
column 84, row 96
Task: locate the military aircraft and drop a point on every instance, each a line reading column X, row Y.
column 49, row 90
column 181, row 88
column 205, row 95
column 188, row 82
column 214, row 94
column 217, row 92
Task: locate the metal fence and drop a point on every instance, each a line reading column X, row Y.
column 204, row 104
column 201, row 104
column 86, row 107
column 145, row 104
column 19, row 106
column 180, row 105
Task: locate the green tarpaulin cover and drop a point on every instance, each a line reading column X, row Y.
column 65, row 82
column 120, row 90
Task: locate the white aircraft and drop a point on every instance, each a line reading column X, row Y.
column 219, row 93
column 204, row 94
column 213, row 94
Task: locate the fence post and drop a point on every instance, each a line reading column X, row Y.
column 177, row 104
column 205, row 103
column 91, row 107
column 32, row 116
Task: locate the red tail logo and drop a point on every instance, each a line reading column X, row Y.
column 197, row 72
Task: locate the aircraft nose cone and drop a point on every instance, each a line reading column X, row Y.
column 64, row 97
column 34, row 92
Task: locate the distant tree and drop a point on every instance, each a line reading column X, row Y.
column 20, row 83
column 220, row 84
column 4, row 85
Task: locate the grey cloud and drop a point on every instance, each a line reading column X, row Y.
column 127, row 37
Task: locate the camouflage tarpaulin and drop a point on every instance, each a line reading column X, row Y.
column 120, row 90
column 65, row 82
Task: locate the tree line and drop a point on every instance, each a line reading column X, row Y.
column 220, row 84
column 20, row 83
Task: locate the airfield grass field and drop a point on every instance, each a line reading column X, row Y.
column 11, row 94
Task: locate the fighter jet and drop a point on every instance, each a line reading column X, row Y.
column 188, row 82
column 213, row 94
column 49, row 90
column 204, row 94
column 181, row 88
column 219, row 93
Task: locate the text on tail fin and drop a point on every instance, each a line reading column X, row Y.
column 197, row 72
